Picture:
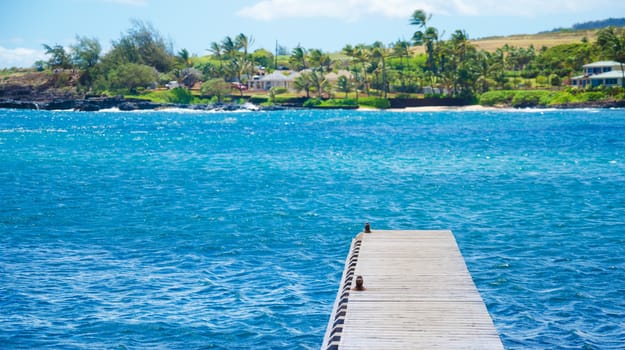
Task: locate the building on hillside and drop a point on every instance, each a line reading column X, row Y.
column 275, row 79
column 285, row 79
column 333, row 77
column 603, row 73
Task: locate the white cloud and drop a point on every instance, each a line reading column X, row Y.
column 355, row 9
column 19, row 57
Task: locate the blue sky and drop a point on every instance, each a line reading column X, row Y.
column 325, row 24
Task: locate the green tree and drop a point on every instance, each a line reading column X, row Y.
column 131, row 76
column 344, row 85
column 612, row 45
column 189, row 76
column 215, row 50
column 298, row 58
column 236, row 67
column 464, row 64
column 565, row 59
column 360, row 56
column 215, row 87
column 86, row 55
column 303, row 82
column 262, row 58
column 379, row 54
column 230, row 48
column 184, row 58
column 142, row 44
column 59, row 58
column 401, row 50
column 318, row 82
column 244, row 42
column 319, row 60
column 86, row 52
column 425, row 35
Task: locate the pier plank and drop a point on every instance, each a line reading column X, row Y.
column 419, row 295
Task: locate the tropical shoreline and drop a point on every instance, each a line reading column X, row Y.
column 122, row 103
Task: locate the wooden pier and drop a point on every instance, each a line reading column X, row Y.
column 418, row 295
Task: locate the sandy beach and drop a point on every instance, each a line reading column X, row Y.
column 444, row 108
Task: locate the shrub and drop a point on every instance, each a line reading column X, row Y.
column 258, row 99
column 526, row 99
column 555, row 80
column 542, row 80
column 312, row 102
column 591, row 96
column 279, row 90
column 403, row 96
column 529, row 73
column 339, row 102
column 215, row 87
column 497, row 97
column 180, row 95
column 381, row 103
column 562, row 98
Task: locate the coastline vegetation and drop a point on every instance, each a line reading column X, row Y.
column 548, row 98
column 142, row 62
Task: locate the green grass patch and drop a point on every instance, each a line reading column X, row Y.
column 177, row 95
column 375, row 102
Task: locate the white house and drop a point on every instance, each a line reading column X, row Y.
column 333, row 77
column 275, row 79
column 285, row 79
column 603, row 73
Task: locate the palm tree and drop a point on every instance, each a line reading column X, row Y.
column 315, row 58
column 348, row 50
column 303, row 83
column 236, row 67
column 184, row 57
column 419, row 18
column 378, row 52
column 215, row 49
column 425, row 35
column 319, row 82
column 483, row 69
column 244, row 42
column 612, row 44
column 298, row 58
column 400, row 49
column 230, row 47
column 319, row 60
column 498, row 66
column 361, row 53
column 460, row 41
column 344, row 85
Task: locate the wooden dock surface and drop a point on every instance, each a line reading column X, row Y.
column 418, row 295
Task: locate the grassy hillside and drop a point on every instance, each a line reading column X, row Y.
column 538, row 40
column 525, row 40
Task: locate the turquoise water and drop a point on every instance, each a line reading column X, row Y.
column 229, row 230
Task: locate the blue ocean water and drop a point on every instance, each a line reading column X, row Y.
column 229, row 230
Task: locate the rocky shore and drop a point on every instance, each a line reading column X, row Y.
column 90, row 104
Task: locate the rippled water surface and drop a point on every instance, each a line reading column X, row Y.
column 209, row 230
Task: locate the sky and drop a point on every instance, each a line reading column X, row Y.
column 321, row 24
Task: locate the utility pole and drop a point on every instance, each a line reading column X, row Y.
column 275, row 57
